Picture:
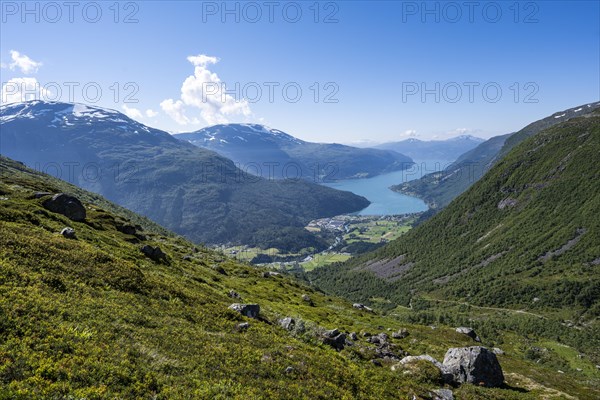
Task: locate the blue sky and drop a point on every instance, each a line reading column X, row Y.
column 370, row 61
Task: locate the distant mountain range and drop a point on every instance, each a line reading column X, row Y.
column 439, row 150
column 272, row 153
column 192, row 191
column 438, row 189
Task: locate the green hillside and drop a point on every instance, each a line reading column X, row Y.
column 92, row 317
column 525, row 237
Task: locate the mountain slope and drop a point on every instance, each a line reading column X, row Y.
column 439, row 150
column 272, row 153
column 92, row 317
column 438, row 189
column 525, row 237
column 191, row 191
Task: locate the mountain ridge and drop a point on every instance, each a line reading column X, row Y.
column 438, row 189
column 274, row 153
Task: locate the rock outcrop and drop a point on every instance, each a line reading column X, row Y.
column 476, row 365
column 470, row 332
column 69, row 233
column 153, row 253
column 247, row 310
column 67, row 205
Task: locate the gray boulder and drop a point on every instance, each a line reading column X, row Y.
column 153, row 253
column 331, row 333
column 443, row 394
column 287, row 323
column 470, row 332
column 69, row 233
column 401, row 334
column 360, row 306
column 337, row 342
column 476, row 365
column 243, row 326
column 247, row 310
column 448, row 378
column 67, row 205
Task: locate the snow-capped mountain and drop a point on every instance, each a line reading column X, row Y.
column 260, row 148
column 71, row 116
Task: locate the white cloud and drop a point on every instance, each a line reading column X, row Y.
column 24, row 63
column 202, row 60
column 411, row 133
column 151, row 113
column 174, row 109
column 132, row 112
column 17, row 90
column 205, row 92
column 460, row 131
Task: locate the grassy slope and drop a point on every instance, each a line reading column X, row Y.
column 92, row 318
column 554, row 177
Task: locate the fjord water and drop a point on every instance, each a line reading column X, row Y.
column 377, row 190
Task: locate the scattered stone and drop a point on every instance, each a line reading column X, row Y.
column 334, row 339
column 268, row 274
column 153, row 253
column 424, row 357
column 127, row 229
column 443, row 394
column 219, row 269
column 67, row 205
column 332, row 333
column 579, row 369
column 289, row 370
column 69, row 233
column 476, row 365
column 38, row 195
column 366, row 334
column 560, row 372
column 360, row 306
column 497, row 351
column 287, row 323
column 306, row 298
column 353, row 336
column 373, row 339
column 507, row 203
column 388, row 352
column 243, row 326
column 376, row 362
column 401, row 334
column 383, row 338
column 233, row 294
column 187, row 257
column 470, row 332
column 247, row 310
